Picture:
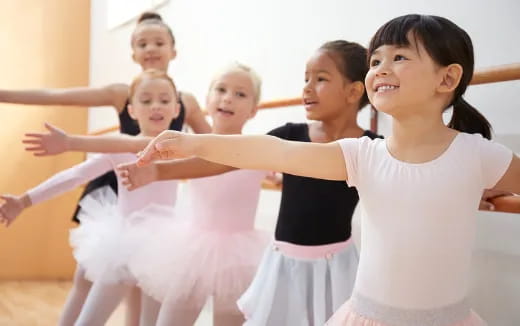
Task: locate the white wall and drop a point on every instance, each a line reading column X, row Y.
column 276, row 38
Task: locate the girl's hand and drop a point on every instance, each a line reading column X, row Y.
column 167, row 146
column 133, row 177
column 11, row 208
column 485, row 201
column 53, row 143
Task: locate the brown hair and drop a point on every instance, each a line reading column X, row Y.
column 147, row 75
column 153, row 18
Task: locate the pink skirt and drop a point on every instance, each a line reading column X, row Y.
column 361, row 311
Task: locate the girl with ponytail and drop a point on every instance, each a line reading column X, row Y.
column 419, row 188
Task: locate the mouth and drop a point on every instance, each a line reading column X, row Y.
column 152, row 59
column 383, row 88
column 225, row 112
column 309, row 103
column 156, row 117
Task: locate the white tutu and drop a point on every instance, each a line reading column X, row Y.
column 295, row 291
column 184, row 261
column 103, row 244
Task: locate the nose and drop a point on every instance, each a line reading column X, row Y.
column 382, row 70
column 228, row 96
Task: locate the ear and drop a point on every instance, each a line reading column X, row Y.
column 451, row 76
column 355, row 91
column 173, row 54
column 131, row 112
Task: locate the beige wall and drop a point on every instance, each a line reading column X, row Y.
column 45, row 43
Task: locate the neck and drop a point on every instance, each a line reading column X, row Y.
column 226, row 131
column 418, row 128
column 343, row 126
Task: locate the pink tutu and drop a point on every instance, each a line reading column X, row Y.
column 348, row 315
column 184, row 261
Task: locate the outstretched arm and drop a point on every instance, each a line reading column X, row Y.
column 134, row 177
column 112, row 95
column 323, row 161
column 56, row 141
column 61, row 182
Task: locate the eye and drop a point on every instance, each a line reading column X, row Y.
column 241, row 94
column 161, row 43
column 374, row 62
column 322, row 79
column 399, row 57
column 165, row 101
column 146, row 101
column 220, row 89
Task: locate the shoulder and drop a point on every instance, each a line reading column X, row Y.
column 119, row 93
column 290, row 131
column 189, row 101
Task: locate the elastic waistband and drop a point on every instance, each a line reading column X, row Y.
column 442, row 316
column 310, row 252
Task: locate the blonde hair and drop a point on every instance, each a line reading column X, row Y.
column 149, row 74
column 237, row 66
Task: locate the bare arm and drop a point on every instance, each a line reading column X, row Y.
column 323, row 161
column 112, row 95
column 510, row 181
column 56, row 141
column 134, row 177
column 194, row 116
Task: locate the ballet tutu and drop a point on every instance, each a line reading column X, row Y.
column 300, row 285
column 185, row 262
column 102, row 244
column 361, row 311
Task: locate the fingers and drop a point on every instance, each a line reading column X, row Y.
column 486, row 206
column 50, row 127
column 34, row 135
column 32, row 141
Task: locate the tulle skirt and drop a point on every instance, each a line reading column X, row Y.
column 300, row 285
column 102, row 244
column 186, row 262
column 360, row 311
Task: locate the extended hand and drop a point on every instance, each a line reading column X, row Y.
column 485, row 203
column 168, row 145
column 52, row 143
column 10, row 209
column 133, row 177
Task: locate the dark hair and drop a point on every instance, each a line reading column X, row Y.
column 153, row 18
column 351, row 61
column 446, row 43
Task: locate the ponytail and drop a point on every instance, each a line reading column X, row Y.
column 466, row 118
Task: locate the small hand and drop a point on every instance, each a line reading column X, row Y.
column 168, row 145
column 485, row 203
column 134, row 177
column 10, row 209
column 52, row 143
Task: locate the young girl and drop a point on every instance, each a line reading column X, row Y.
column 153, row 47
column 215, row 250
column 310, row 269
column 420, row 188
column 100, row 244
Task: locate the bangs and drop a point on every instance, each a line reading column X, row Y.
column 398, row 32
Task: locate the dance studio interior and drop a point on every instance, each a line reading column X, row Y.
column 238, row 252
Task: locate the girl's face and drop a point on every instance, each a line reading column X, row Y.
column 154, row 106
column 402, row 79
column 152, row 47
column 231, row 101
column 325, row 91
